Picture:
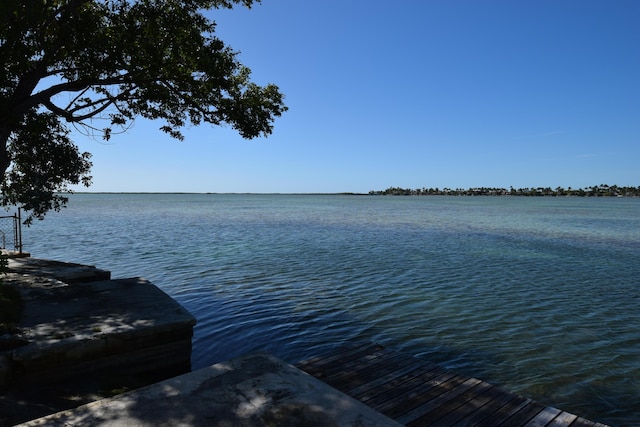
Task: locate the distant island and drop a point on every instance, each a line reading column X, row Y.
column 602, row 190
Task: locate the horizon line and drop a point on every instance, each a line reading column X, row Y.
column 345, row 193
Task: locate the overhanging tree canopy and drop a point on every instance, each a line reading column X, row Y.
column 99, row 64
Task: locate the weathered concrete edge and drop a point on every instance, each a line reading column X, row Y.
column 152, row 323
column 253, row 390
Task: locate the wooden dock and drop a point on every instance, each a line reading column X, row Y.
column 415, row 392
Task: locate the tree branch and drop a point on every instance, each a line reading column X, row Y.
column 45, row 96
column 69, row 116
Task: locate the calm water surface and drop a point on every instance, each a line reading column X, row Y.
column 539, row 295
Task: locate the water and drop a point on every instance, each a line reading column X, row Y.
column 539, row 295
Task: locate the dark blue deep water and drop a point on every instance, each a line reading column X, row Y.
column 539, row 295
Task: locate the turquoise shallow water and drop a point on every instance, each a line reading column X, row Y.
column 539, row 295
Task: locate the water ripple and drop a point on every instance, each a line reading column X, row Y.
column 540, row 296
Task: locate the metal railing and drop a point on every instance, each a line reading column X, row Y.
column 11, row 225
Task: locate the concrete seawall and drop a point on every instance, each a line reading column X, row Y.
column 78, row 325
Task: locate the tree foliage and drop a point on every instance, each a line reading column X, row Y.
column 602, row 190
column 98, row 65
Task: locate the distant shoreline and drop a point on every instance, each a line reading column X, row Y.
column 594, row 191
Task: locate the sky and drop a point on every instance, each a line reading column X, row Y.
column 412, row 94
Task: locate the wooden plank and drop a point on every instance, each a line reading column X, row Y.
column 504, row 411
column 366, row 369
column 349, row 364
column 417, row 392
column 524, row 414
column 374, row 372
column 544, row 417
column 563, row 419
column 334, row 361
column 410, row 394
column 387, row 377
column 397, row 387
column 330, row 358
column 582, row 422
column 449, row 398
column 424, row 393
column 499, row 399
column 454, row 412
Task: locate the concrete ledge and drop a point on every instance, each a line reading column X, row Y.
column 63, row 271
column 74, row 324
column 254, row 390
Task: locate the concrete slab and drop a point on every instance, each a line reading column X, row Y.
column 69, row 329
column 66, row 272
column 83, row 337
column 254, row 390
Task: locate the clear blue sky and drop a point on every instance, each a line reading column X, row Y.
column 412, row 93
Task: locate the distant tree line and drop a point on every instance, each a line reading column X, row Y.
column 602, row 190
